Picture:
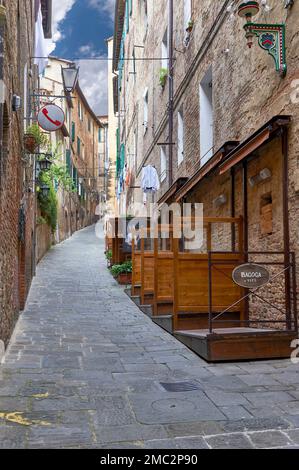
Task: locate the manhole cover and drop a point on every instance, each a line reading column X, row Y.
column 180, row 386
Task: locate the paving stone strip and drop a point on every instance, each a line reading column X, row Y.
column 87, row 369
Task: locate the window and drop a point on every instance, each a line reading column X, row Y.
column 163, row 164
column 80, row 111
column 75, row 177
column 127, row 16
column 145, row 14
column 206, row 118
column 180, row 137
column 135, row 148
column 145, row 110
column 68, row 160
column 187, row 12
column 164, row 51
column 73, row 132
column 78, row 146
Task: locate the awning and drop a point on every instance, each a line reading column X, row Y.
column 207, row 168
column 168, row 197
column 254, row 142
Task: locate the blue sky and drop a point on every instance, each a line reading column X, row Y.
column 80, row 28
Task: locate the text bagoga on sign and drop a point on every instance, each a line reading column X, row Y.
column 251, row 276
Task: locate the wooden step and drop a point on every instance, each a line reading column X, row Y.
column 196, row 321
column 238, row 344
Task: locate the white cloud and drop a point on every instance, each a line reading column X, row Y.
column 106, row 6
column 93, row 74
column 93, row 81
column 60, row 9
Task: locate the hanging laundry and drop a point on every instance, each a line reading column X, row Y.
column 150, row 182
column 40, row 42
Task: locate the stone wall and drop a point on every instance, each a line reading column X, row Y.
column 16, row 253
column 247, row 92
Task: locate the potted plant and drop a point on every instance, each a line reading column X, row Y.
column 122, row 273
column 34, row 138
column 190, row 26
column 163, row 77
column 108, row 255
column 2, row 14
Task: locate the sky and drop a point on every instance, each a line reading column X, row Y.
column 80, row 28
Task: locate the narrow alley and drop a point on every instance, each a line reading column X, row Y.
column 86, row 369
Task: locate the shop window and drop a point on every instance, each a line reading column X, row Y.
column 266, row 215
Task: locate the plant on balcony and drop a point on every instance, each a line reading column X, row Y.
column 163, row 77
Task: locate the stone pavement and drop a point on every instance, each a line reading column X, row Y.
column 86, row 369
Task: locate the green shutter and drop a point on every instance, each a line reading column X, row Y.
column 68, row 160
column 127, row 16
column 75, row 177
column 78, row 146
column 73, row 131
column 122, row 156
column 117, row 153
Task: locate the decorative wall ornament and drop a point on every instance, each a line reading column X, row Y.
column 271, row 37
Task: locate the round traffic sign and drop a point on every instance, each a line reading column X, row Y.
column 51, row 118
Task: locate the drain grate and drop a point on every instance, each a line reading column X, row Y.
column 180, row 386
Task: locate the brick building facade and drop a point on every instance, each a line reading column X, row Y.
column 18, row 78
column 224, row 94
column 77, row 144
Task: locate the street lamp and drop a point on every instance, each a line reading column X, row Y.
column 45, row 164
column 42, row 165
column 69, row 77
column 45, row 190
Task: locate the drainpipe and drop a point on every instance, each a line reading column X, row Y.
column 171, row 89
column 286, row 225
column 2, row 88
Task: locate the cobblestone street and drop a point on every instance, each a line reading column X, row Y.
column 86, row 369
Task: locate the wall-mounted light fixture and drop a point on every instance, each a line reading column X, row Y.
column 263, row 175
column 289, row 3
column 271, row 37
column 16, row 103
column 69, row 78
column 220, row 200
column 45, row 190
